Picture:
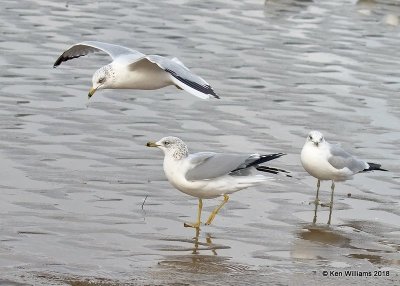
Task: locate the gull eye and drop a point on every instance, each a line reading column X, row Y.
column 310, row 137
column 166, row 143
column 102, row 80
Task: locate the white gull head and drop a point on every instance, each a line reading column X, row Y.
column 315, row 138
column 103, row 78
column 172, row 147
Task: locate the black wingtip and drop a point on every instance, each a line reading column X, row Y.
column 204, row 88
column 273, row 170
column 374, row 167
column 212, row 92
column 64, row 58
column 269, row 157
column 58, row 61
column 265, row 158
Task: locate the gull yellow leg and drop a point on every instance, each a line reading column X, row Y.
column 331, row 204
column 316, row 201
column 216, row 210
column 197, row 223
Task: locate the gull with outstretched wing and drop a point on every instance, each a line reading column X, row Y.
column 131, row 69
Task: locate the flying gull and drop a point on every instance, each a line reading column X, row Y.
column 131, row 69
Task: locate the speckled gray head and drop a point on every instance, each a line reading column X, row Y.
column 103, row 78
column 171, row 146
column 315, row 137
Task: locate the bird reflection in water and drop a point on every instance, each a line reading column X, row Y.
column 207, row 244
column 195, row 245
column 319, row 242
column 202, row 256
column 326, row 243
column 325, row 236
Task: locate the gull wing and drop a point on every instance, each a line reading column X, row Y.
column 179, row 62
column 84, row 48
column 208, row 165
column 340, row 159
column 183, row 77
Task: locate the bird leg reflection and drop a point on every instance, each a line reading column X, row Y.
column 331, row 203
column 209, row 242
column 208, row 245
column 315, row 214
column 198, row 222
column 216, row 210
column 196, row 241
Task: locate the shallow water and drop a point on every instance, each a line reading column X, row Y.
column 74, row 179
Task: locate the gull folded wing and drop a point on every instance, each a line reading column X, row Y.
column 340, row 159
column 207, row 165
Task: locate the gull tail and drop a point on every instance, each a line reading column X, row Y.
column 246, row 182
column 373, row 167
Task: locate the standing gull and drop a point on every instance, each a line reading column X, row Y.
column 131, row 69
column 325, row 161
column 208, row 175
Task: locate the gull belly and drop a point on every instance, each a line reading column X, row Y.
column 145, row 77
column 315, row 162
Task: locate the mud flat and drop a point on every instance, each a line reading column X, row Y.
column 74, row 179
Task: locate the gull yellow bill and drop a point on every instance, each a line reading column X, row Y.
column 151, row 144
column 91, row 92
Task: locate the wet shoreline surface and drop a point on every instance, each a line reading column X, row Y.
column 74, row 178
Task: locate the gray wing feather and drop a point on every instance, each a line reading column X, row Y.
column 207, row 165
column 340, row 159
column 84, row 48
column 178, row 68
column 176, row 60
column 183, row 77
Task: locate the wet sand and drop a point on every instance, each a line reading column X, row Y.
column 74, row 179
